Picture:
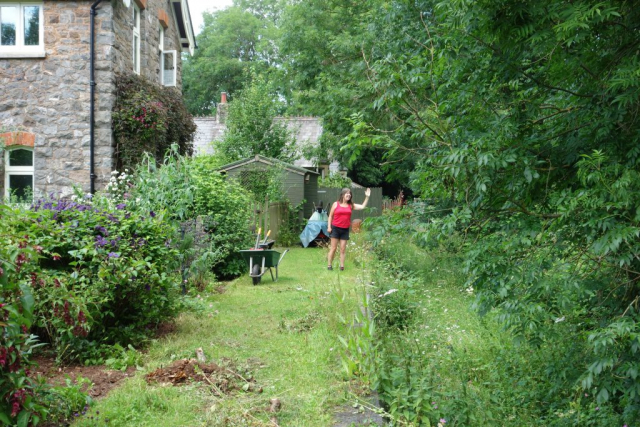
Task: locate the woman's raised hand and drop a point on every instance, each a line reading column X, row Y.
column 367, row 192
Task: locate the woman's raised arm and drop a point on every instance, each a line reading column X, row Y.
column 358, row 207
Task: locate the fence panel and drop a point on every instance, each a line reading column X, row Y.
column 268, row 216
column 374, row 207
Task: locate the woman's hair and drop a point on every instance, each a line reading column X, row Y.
column 342, row 194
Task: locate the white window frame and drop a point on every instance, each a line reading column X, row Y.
column 136, row 38
column 20, row 50
column 175, row 68
column 160, row 50
column 17, row 170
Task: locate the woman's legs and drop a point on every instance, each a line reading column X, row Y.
column 343, row 251
column 332, row 249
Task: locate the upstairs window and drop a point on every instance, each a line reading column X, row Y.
column 168, row 67
column 136, row 39
column 21, row 29
column 18, row 180
column 168, row 62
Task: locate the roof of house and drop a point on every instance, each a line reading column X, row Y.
column 305, row 130
column 267, row 161
column 208, row 130
column 185, row 26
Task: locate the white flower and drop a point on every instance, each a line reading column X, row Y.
column 114, row 173
column 389, row 292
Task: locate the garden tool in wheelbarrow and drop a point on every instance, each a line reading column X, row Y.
column 263, row 258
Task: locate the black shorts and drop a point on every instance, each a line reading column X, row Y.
column 339, row 233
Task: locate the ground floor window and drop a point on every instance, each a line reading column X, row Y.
column 18, row 180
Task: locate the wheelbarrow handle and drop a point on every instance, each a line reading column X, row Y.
column 282, row 256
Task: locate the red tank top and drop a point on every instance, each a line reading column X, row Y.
column 342, row 216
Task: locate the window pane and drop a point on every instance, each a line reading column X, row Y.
column 167, row 71
column 21, row 187
column 136, row 52
column 20, row 158
column 31, row 25
column 136, row 19
column 8, row 24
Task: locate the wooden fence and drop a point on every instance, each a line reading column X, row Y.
column 397, row 202
column 268, row 216
column 374, row 207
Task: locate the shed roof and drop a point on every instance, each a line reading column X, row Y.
column 267, row 161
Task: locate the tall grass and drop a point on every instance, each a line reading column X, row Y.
column 438, row 362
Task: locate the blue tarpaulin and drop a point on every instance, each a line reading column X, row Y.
column 312, row 230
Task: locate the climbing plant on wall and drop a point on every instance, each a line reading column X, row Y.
column 148, row 118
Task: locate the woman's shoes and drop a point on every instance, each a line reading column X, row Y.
column 341, row 268
column 330, row 267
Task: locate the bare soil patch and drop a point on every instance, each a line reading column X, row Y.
column 103, row 379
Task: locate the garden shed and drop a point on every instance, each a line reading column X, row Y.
column 299, row 183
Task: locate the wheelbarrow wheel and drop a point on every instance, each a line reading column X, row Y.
column 256, row 274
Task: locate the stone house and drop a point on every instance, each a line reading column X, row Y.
column 58, row 65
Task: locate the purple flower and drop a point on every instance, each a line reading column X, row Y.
column 127, row 215
column 152, row 214
column 102, row 230
column 120, row 206
column 147, row 288
column 100, row 241
column 113, row 255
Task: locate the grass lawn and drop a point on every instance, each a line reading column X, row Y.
column 283, row 334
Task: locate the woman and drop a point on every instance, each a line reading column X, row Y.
column 339, row 222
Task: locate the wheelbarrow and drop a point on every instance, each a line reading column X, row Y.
column 262, row 259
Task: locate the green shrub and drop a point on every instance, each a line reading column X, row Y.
column 105, row 274
column 335, row 180
column 68, row 401
column 18, row 259
column 226, row 208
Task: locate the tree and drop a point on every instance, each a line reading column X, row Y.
column 232, row 41
column 522, row 117
column 251, row 129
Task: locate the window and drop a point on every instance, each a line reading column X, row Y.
column 21, row 29
column 168, row 62
column 136, row 39
column 168, row 65
column 18, row 180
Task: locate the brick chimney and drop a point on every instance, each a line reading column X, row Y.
column 221, row 109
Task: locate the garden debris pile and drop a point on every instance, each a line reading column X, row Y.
column 223, row 379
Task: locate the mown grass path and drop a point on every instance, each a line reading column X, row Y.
column 284, row 334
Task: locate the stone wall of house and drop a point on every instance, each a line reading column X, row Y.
column 49, row 98
column 149, row 39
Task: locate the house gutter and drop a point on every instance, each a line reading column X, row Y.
column 92, row 84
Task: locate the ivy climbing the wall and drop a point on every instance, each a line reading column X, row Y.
column 149, row 118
